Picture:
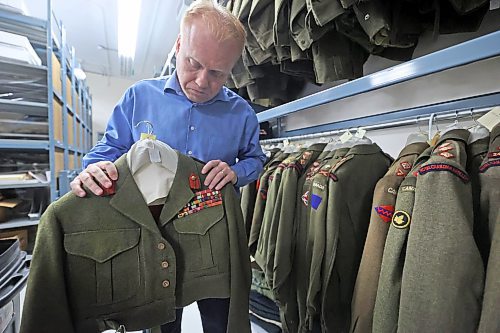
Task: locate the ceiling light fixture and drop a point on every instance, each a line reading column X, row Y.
column 128, row 24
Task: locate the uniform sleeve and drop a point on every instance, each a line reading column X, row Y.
column 251, row 159
column 117, row 139
column 46, row 307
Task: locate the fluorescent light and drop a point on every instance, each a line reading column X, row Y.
column 128, row 22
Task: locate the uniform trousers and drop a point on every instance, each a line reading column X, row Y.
column 214, row 313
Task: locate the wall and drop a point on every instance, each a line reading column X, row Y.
column 106, row 91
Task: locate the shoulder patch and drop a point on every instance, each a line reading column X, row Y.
column 401, row 219
column 444, row 167
column 385, row 212
column 488, row 165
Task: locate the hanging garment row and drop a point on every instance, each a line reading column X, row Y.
column 290, row 42
column 349, row 239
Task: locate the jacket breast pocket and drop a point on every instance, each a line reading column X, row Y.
column 106, row 264
column 200, row 235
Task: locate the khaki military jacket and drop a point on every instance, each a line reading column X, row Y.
column 350, row 194
column 282, row 242
column 476, row 153
column 388, row 291
column 490, row 212
column 443, row 275
column 384, row 200
column 101, row 262
column 261, row 200
column 307, row 229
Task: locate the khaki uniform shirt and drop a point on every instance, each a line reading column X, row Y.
column 101, row 262
column 384, row 200
column 443, row 275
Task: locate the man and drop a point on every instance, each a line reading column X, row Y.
column 192, row 112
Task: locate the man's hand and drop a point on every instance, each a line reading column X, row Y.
column 94, row 178
column 219, row 174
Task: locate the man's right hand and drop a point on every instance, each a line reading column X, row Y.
column 94, row 177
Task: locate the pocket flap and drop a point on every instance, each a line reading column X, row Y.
column 101, row 245
column 200, row 222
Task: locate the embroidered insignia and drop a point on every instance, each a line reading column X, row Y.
column 271, row 177
column 391, row 191
column 318, row 185
column 305, row 198
column 408, row 188
column 406, row 165
column 194, row 182
column 340, row 162
column 400, row 173
column 444, row 167
column 446, row 154
column 305, row 157
column 488, row 165
column 313, row 169
column 446, row 144
column 315, row 201
column 415, row 173
column 441, row 149
column 401, row 219
column 333, row 177
column 324, row 172
column 494, row 154
column 385, row 212
column 203, row 199
column 257, row 184
column 295, row 166
column 263, row 194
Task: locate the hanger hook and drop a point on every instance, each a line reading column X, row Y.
column 149, row 125
column 472, row 117
column 418, row 124
column 456, row 117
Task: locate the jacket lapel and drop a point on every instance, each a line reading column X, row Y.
column 128, row 199
column 180, row 192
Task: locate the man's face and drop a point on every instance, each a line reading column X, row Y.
column 203, row 63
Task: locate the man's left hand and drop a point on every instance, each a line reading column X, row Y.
column 219, row 174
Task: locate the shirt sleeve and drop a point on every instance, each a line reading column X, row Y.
column 251, row 159
column 117, row 138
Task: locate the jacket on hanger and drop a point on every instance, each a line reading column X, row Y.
column 443, row 275
column 101, row 262
column 490, row 215
column 384, row 200
column 388, row 288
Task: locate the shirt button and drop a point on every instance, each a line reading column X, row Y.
column 165, row 283
column 164, row 264
column 367, row 17
column 190, row 152
column 161, row 246
column 192, row 128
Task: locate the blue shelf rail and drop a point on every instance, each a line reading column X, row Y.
column 484, row 47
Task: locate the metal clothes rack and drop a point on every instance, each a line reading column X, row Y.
column 475, row 50
column 433, row 118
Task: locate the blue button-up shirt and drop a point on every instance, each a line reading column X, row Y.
column 224, row 128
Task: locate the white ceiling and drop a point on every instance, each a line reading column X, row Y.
column 90, row 24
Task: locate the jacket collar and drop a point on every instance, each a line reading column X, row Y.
column 128, row 199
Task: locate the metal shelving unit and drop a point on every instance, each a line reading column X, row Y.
column 53, row 95
column 475, row 50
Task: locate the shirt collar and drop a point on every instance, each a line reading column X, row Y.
column 172, row 84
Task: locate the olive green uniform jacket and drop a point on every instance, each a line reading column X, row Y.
column 384, row 200
column 490, row 214
column 101, row 262
column 388, row 291
column 443, row 275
